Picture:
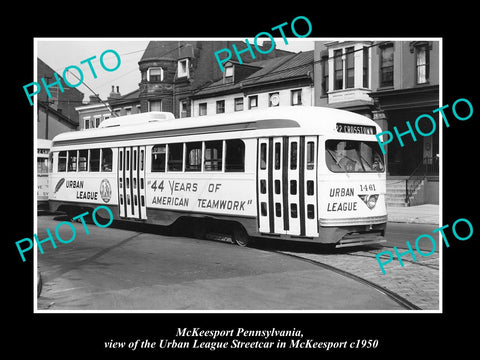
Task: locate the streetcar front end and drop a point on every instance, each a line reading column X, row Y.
column 351, row 186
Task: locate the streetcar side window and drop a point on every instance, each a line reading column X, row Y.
column 95, row 160
column 158, row 158
column 62, row 161
column 82, row 160
column 42, row 165
column 107, row 159
column 235, row 155
column 175, row 157
column 72, row 160
column 213, row 155
column 193, row 161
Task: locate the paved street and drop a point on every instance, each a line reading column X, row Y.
column 146, row 268
column 417, row 281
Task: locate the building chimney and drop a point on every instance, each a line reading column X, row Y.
column 113, row 94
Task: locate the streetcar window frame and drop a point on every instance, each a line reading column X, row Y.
column 175, row 157
column 72, row 159
column 193, row 156
column 83, row 160
column 234, row 155
column 107, row 160
column 159, row 158
column 213, row 158
column 199, row 156
column 94, row 161
column 62, row 161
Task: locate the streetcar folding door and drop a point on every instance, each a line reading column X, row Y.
column 286, row 185
column 131, row 182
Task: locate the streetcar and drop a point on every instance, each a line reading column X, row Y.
column 43, row 149
column 290, row 173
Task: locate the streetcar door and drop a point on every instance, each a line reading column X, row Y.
column 309, row 191
column 286, row 185
column 131, row 182
column 263, row 185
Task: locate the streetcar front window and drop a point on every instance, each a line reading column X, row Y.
column 354, row 156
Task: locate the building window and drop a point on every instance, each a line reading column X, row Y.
column 338, row 70
column 324, row 75
column 183, row 108
column 238, row 104
column 220, row 106
column 350, row 68
column 182, row 70
column 155, row 74
column 252, row 101
column 155, row 105
column 296, row 97
column 386, row 65
column 365, row 67
column 128, row 110
column 273, row 99
column 229, row 74
column 422, row 55
column 97, row 121
column 86, row 123
column 202, row 109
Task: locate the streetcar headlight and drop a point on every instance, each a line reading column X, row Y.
column 372, row 201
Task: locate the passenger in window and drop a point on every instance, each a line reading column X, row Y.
column 107, row 160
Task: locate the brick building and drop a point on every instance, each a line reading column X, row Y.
column 171, row 72
column 391, row 82
column 56, row 114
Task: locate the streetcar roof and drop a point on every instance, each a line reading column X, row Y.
column 311, row 119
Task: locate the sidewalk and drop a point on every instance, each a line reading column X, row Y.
column 421, row 214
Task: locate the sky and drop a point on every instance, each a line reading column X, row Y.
column 59, row 53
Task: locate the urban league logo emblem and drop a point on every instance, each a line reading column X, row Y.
column 369, row 200
column 105, row 190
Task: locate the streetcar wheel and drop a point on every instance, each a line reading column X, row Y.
column 241, row 237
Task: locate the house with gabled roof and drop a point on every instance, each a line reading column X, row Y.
column 284, row 80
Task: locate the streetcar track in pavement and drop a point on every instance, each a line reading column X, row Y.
column 74, row 265
column 390, row 294
column 403, row 260
column 263, row 245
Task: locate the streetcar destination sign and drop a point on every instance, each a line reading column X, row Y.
column 356, row 129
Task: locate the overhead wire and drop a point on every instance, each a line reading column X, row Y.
column 98, row 96
column 250, row 78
